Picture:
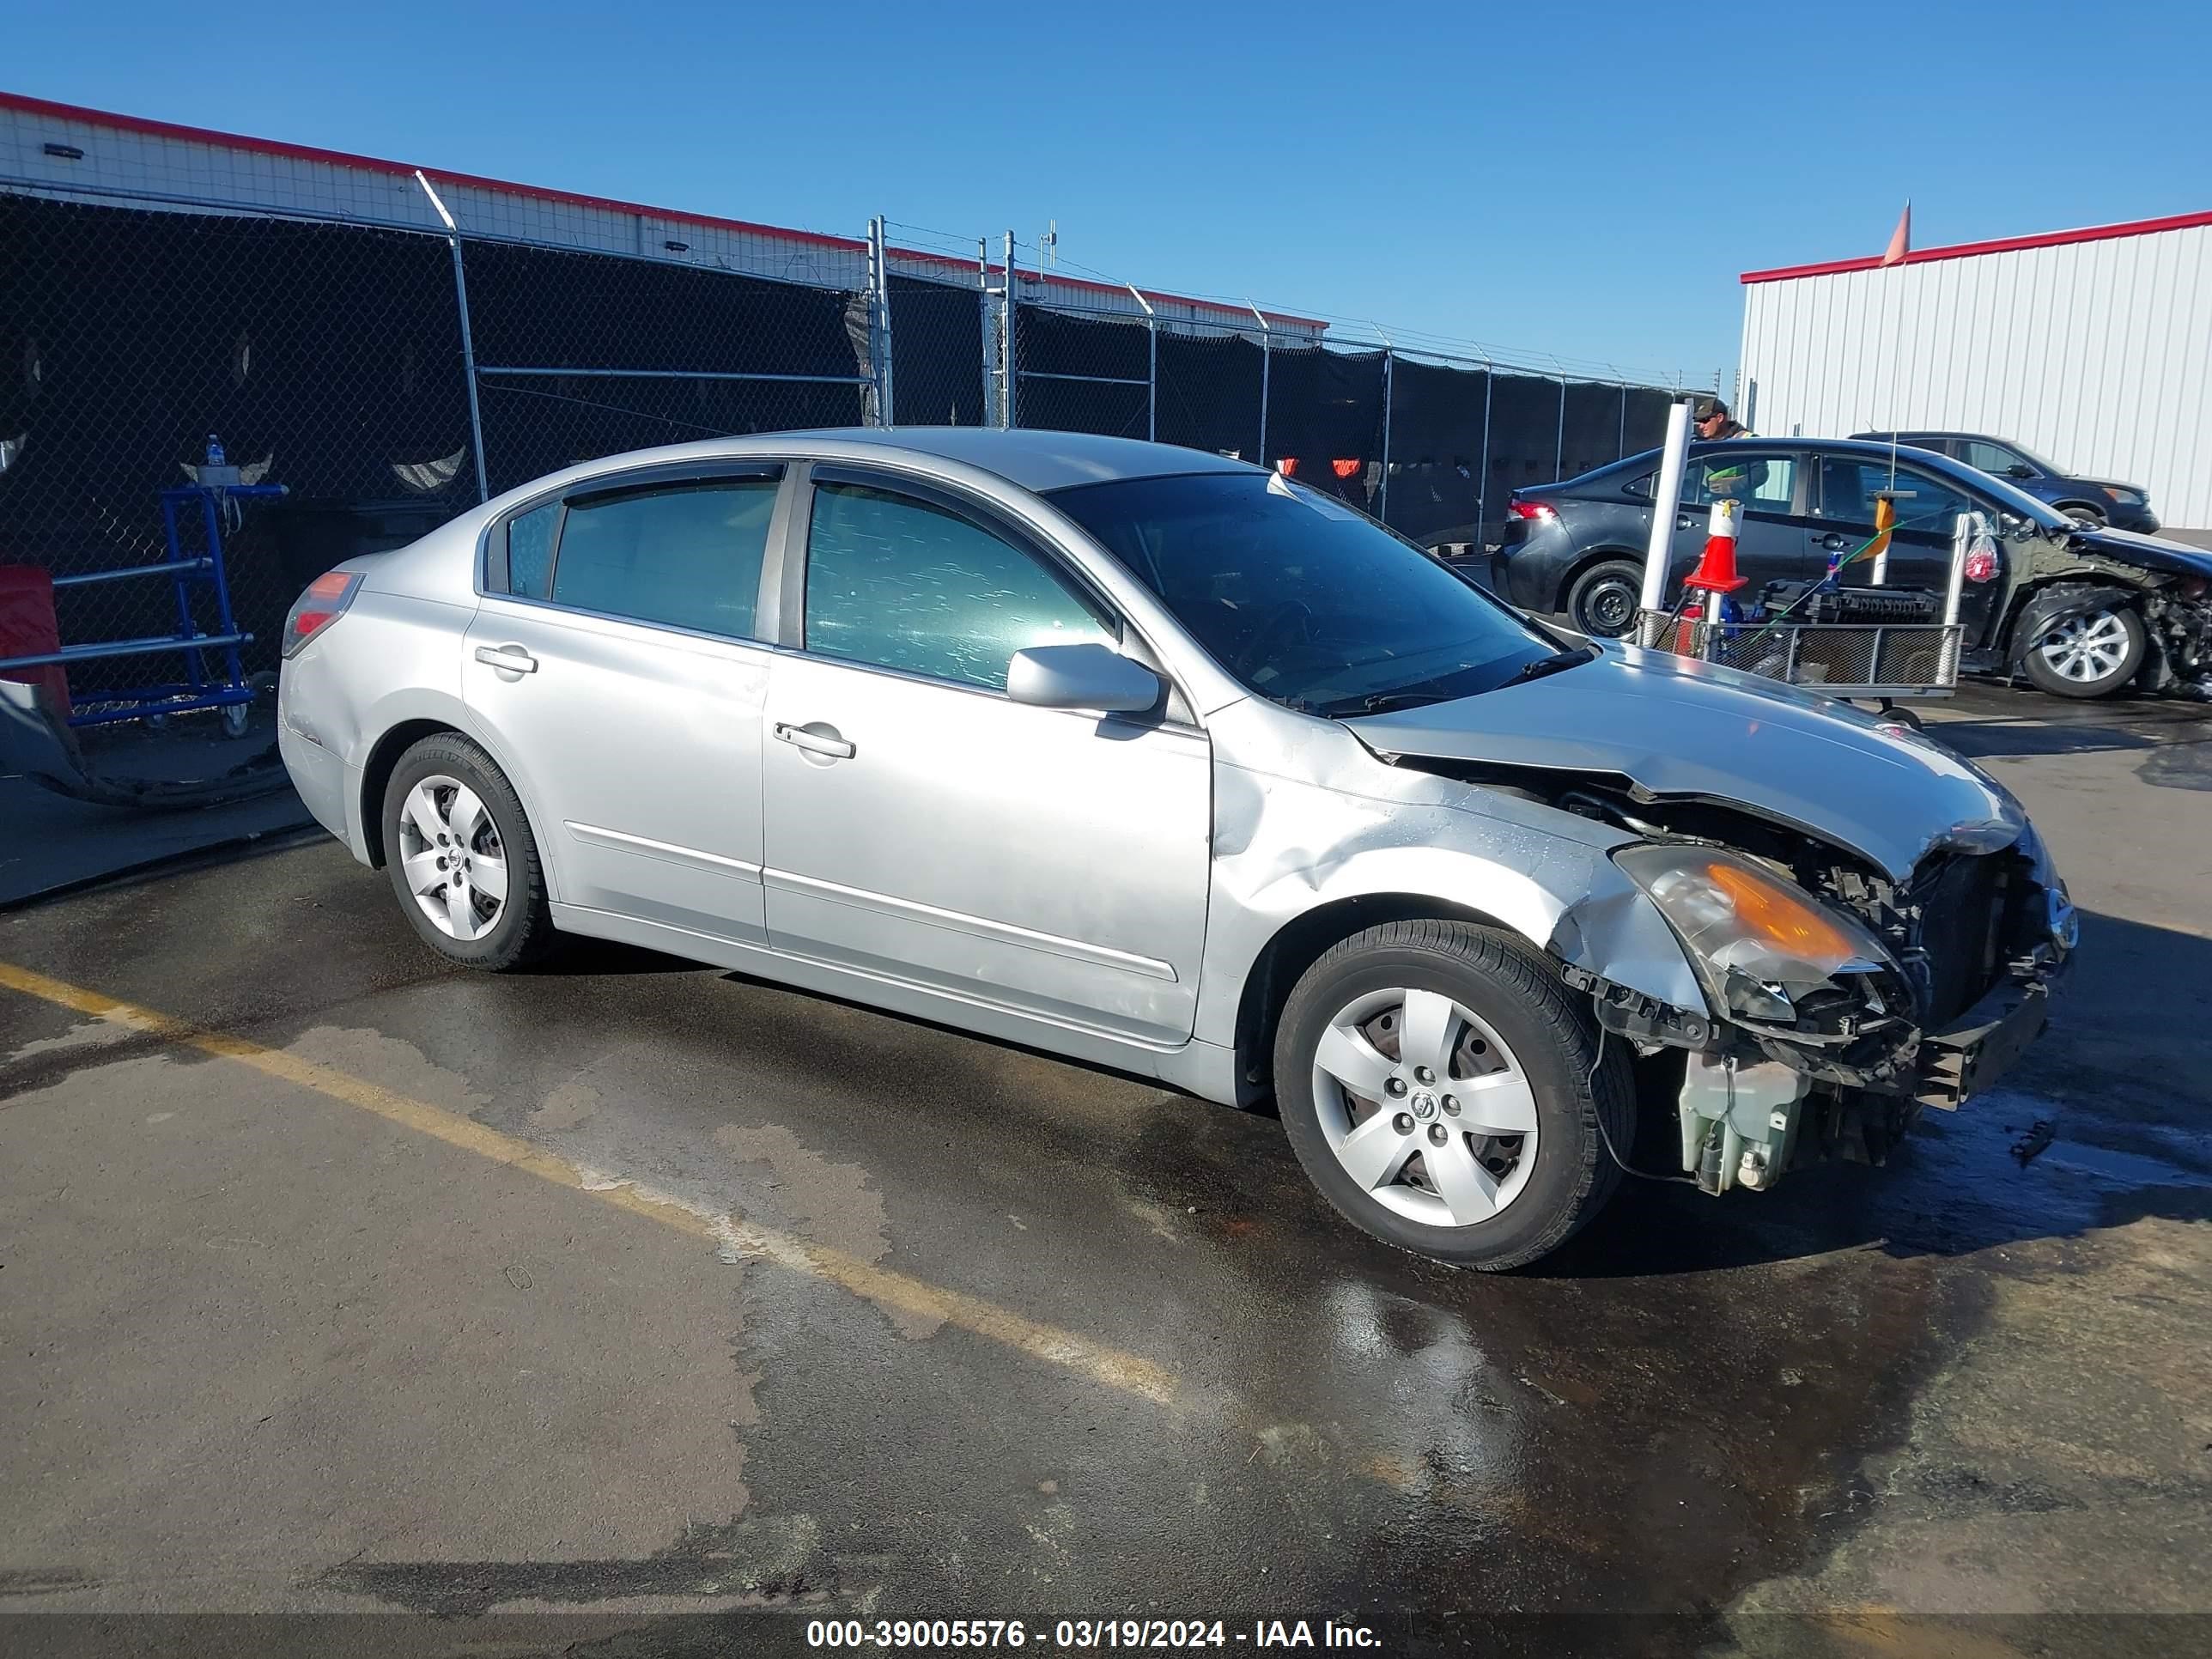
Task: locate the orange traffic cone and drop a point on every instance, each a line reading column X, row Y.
column 1715, row 572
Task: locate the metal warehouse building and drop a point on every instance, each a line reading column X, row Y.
column 2091, row 347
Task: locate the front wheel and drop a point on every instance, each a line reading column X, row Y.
column 462, row 859
column 2088, row 653
column 1604, row 599
column 1445, row 1091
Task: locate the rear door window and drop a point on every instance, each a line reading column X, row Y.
column 680, row 555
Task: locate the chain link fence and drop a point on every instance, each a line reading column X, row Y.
column 390, row 376
column 580, row 355
column 325, row 356
column 1430, row 443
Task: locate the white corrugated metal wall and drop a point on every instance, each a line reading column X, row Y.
column 2093, row 351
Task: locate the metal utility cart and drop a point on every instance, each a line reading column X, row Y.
column 1877, row 644
column 200, row 507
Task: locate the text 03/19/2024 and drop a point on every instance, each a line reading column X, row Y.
column 1086, row 1633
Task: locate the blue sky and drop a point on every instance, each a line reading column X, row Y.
column 1587, row 181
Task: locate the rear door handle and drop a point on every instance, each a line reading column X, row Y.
column 823, row 742
column 510, row 658
column 1833, row 543
column 1684, row 521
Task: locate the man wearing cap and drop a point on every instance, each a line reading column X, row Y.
column 1713, row 423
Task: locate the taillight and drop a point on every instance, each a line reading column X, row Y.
column 323, row 604
column 1536, row 512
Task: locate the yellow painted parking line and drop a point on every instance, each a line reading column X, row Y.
column 1111, row 1366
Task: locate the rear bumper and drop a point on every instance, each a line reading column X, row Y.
column 1520, row 579
column 321, row 778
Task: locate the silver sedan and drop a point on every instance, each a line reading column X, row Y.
column 1162, row 762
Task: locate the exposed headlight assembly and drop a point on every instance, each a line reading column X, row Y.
column 1758, row 942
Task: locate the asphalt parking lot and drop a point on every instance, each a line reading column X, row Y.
column 336, row 1281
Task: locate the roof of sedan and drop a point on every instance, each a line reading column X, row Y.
column 1038, row 460
column 1920, row 432
column 1843, row 445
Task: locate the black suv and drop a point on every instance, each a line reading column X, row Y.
column 2082, row 610
column 2100, row 501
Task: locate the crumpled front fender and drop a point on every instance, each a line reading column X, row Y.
column 1284, row 847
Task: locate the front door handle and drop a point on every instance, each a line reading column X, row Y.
column 1833, row 543
column 508, row 659
column 815, row 739
column 1684, row 521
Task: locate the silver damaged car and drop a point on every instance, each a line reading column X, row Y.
column 1166, row 764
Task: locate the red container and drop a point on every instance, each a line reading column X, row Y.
column 27, row 629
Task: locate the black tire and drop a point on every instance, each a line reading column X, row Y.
column 1551, row 1035
column 2095, row 515
column 1886, row 710
column 1602, row 601
column 2046, row 675
column 523, row 931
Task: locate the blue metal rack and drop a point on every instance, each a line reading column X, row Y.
column 200, row 687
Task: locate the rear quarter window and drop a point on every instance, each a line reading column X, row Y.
column 530, row 550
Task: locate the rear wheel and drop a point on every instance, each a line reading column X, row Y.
column 1604, row 601
column 2087, row 653
column 462, row 859
column 1444, row 1091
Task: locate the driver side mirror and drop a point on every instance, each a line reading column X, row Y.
column 1082, row 677
column 2019, row 470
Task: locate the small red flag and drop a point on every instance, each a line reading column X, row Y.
column 1900, row 239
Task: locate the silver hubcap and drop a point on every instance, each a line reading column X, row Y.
column 1426, row 1108
column 450, row 852
column 2086, row 648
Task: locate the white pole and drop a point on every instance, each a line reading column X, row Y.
column 1666, row 502
column 468, row 335
column 1964, row 533
column 1962, row 539
column 1151, row 366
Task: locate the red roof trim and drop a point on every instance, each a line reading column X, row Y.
column 98, row 118
column 2003, row 244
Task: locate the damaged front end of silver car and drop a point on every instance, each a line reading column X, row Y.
column 1840, row 1003
column 1873, row 925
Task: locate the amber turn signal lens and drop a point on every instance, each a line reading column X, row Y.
column 1774, row 915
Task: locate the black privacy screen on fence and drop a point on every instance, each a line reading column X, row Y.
column 1079, row 374
column 1209, row 392
column 937, row 352
column 658, row 353
column 1437, row 434
column 127, row 337
column 332, row 354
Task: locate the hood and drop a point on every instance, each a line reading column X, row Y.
column 2150, row 552
column 1678, row 728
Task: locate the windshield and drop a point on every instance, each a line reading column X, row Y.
column 1305, row 601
